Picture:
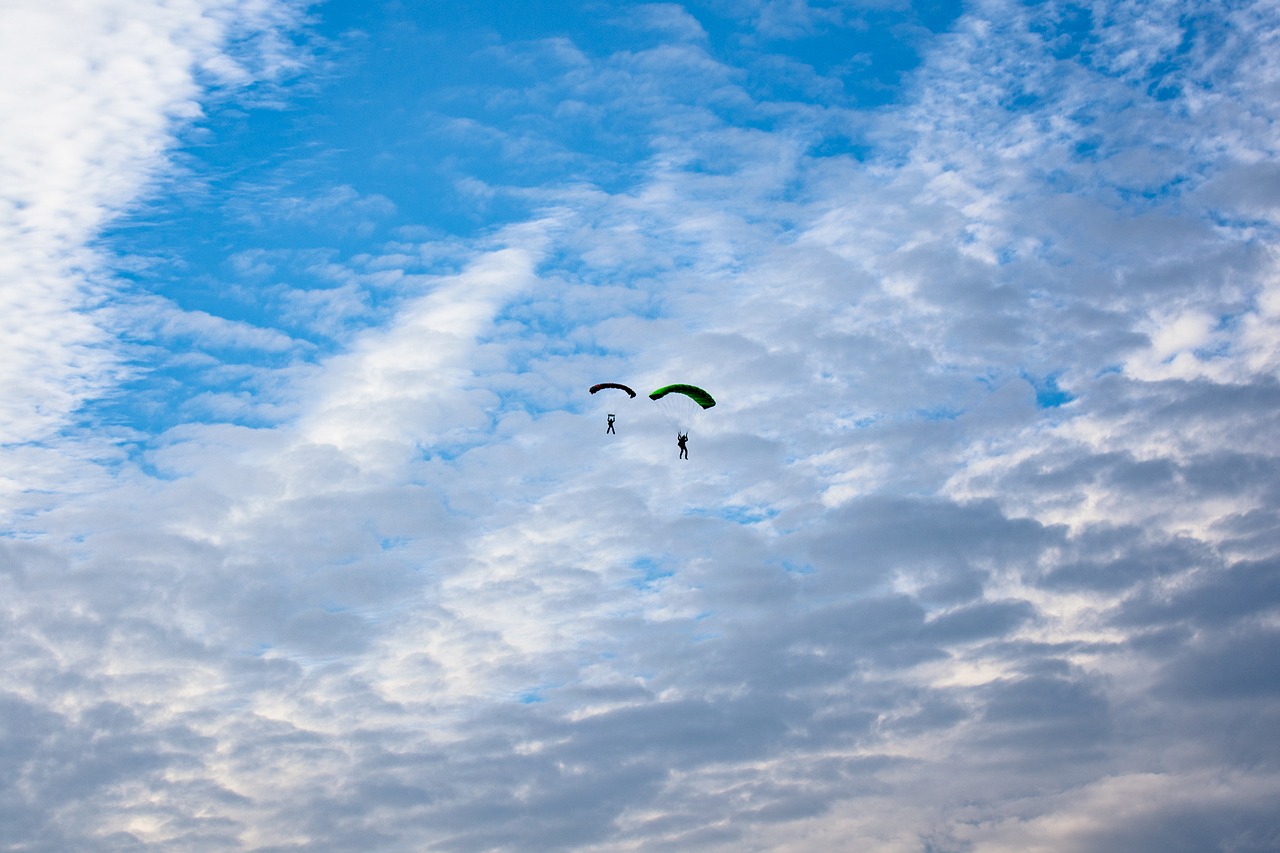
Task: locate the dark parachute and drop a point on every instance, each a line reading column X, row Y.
column 613, row 385
column 618, row 385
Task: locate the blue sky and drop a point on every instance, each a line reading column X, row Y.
column 311, row 537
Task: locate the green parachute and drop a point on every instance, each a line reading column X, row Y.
column 681, row 404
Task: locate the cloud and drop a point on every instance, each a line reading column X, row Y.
column 97, row 97
column 421, row 599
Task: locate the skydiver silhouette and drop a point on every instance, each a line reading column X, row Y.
column 681, row 438
column 610, row 429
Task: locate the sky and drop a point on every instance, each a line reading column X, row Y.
column 312, row 539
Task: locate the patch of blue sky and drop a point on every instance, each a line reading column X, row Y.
column 636, row 276
column 700, row 631
column 15, row 528
column 136, row 450
column 474, row 106
column 848, row 419
column 267, row 279
column 796, row 568
column 455, row 25
column 451, row 450
column 558, row 326
column 1048, row 394
column 1146, row 196
column 267, row 203
column 266, row 179
column 841, row 145
column 533, row 404
column 650, row 571
column 198, row 274
column 412, row 135
column 1087, row 149
column 181, row 377
column 546, row 315
column 1071, row 32
column 737, row 513
column 387, row 124
column 1230, row 321
column 515, row 87
column 1167, row 78
column 1221, row 349
column 1067, row 28
column 1022, row 100
column 524, row 388
column 990, row 380
column 938, row 413
column 1161, row 87
column 869, row 51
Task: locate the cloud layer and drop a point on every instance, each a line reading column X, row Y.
column 977, row 550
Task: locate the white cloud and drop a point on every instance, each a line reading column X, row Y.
column 890, row 598
column 670, row 19
column 95, row 93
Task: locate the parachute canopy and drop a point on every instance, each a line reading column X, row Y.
column 681, row 404
column 619, row 386
column 693, row 392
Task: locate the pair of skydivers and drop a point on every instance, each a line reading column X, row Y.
column 679, row 403
column 681, row 438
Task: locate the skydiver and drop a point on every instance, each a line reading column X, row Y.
column 681, row 438
column 610, row 429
